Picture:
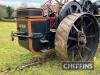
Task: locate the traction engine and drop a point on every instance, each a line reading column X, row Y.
column 71, row 29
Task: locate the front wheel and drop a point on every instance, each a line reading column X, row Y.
column 77, row 37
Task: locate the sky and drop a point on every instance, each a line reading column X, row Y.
column 18, row 3
column 29, row 3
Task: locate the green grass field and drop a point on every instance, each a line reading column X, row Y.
column 12, row 55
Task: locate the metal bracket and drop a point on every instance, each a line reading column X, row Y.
column 24, row 35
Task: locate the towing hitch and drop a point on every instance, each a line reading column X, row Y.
column 24, row 35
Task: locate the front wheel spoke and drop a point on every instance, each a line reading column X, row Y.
column 73, row 47
column 90, row 36
column 73, row 55
column 80, row 55
column 87, row 48
column 82, row 29
column 76, row 28
column 89, row 25
column 72, row 38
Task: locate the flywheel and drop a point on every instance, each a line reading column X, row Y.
column 89, row 7
column 77, row 37
column 69, row 8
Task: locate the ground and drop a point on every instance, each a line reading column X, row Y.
column 12, row 55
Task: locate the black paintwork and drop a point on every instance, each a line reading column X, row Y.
column 28, row 13
column 40, row 29
column 44, row 28
column 23, row 41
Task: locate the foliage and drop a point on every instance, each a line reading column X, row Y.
column 10, row 10
column 3, row 12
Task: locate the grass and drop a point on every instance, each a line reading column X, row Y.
column 12, row 55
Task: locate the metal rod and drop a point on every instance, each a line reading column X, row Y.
column 65, row 1
column 58, row 2
column 24, row 36
column 75, row 28
column 83, row 1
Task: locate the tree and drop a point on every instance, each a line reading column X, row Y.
column 9, row 11
column 3, row 12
